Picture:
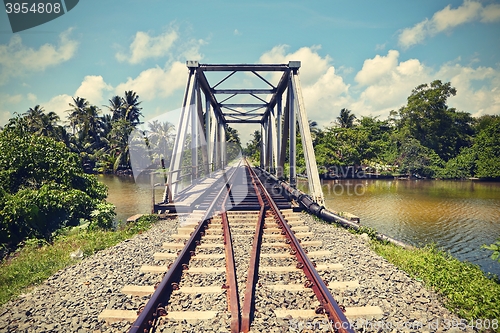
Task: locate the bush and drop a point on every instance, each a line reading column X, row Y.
column 43, row 188
column 461, row 167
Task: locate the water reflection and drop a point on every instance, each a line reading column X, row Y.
column 458, row 216
column 128, row 197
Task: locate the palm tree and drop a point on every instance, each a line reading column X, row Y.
column 161, row 138
column 119, row 143
column 131, row 107
column 76, row 112
column 116, row 107
column 346, row 118
column 313, row 128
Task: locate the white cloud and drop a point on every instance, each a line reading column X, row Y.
column 31, row 97
column 374, row 69
column 145, row 46
column 58, row 104
column 312, row 64
column 324, row 91
column 490, row 13
column 447, row 19
column 384, row 84
column 14, row 99
column 92, row 88
column 156, row 82
column 17, row 59
column 477, row 88
column 415, row 35
column 4, row 117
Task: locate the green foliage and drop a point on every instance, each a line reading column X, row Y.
column 487, row 146
column 495, row 247
column 252, row 150
column 467, row 291
column 461, row 167
column 429, row 120
column 415, row 159
column 102, row 216
column 43, row 187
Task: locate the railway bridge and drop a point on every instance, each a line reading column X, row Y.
column 239, row 222
column 274, row 103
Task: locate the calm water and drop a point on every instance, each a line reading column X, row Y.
column 458, row 216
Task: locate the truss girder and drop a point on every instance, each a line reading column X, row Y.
column 277, row 123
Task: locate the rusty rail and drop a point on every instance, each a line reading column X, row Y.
column 232, row 286
column 328, row 305
column 156, row 304
column 253, row 268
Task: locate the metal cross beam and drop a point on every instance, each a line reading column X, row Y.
column 209, row 115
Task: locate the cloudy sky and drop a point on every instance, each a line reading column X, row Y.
column 366, row 56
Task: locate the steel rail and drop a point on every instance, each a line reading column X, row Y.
column 253, row 267
column 232, row 288
column 328, row 305
column 155, row 306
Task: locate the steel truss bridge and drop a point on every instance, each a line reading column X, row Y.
column 208, row 109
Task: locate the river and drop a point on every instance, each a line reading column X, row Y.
column 459, row 216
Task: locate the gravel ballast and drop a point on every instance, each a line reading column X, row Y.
column 72, row 299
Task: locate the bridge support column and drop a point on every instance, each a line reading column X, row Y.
column 279, row 115
column 307, row 144
column 208, row 136
column 175, row 163
column 273, row 149
column 262, row 147
column 293, row 138
column 222, row 144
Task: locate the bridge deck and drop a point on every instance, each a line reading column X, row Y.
column 186, row 199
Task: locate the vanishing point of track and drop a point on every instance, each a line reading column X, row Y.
column 243, row 200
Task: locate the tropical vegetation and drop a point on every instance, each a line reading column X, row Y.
column 423, row 139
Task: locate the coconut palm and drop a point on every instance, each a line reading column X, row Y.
column 161, row 138
column 76, row 112
column 116, row 107
column 346, row 118
column 132, row 111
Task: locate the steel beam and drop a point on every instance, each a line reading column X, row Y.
column 307, row 144
column 284, row 138
column 279, row 131
column 176, row 161
column 243, row 122
column 222, row 142
column 292, row 136
column 208, row 133
column 240, row 105
column 244, row 115
column 243, row 91
column 243, row 68
column 194, row 138
column 274, row 142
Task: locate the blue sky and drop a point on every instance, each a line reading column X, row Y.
column 366, row 56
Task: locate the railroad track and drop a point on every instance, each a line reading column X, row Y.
column 243, row 250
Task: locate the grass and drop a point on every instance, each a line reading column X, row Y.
column 466, row 290
column 37, row 260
